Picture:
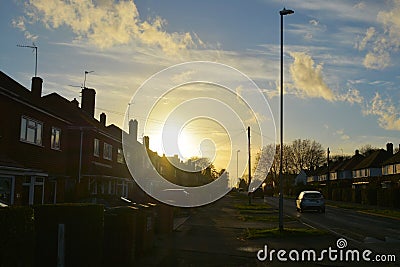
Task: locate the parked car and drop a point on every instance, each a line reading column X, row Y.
column 310, row 200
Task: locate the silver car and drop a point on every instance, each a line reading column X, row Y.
column 310, row 200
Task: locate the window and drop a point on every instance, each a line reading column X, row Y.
column 120, row 156
column 55, row 138
column 96, row 147
column 31, row 131
column 107, row 153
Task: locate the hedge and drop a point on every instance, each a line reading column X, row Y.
column 83, row 234
column 17, row 236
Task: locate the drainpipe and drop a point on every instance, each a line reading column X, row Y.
column 80, row 157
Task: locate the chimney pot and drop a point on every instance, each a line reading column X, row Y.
column 36, row 86
column 103, row 118
column 88, row 100
column 75, row 102
column 133, row 129
column 146, row 142
column 389, row 148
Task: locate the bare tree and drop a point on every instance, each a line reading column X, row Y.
column 306, row 154
column 299, row 155
column 367, row 149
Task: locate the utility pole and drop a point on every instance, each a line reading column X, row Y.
column 328, row 177
column 248, row 187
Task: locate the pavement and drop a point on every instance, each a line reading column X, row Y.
column 214, row 235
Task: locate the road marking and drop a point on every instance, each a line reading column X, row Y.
column 309, row 225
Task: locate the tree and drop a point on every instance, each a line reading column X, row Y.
column 299, row 155
column 201, row 163
column 306, row 154
column 367, row 149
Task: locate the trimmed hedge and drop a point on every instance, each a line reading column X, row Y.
column 17, row 236
column 388, row 197
column 83, row 239
column 120, row 236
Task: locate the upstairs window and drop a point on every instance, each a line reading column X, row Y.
column 107, row 153
column 96, row 147
column 120, row 156
column 55, row 138
column 31, row 131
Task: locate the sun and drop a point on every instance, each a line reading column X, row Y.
column 204, row 138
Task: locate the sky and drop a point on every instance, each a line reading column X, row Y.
column 341, row 62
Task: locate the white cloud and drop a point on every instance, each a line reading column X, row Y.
column 307, row 78
column 19, row 23
column 377, row 59
column 381, row 44
column 342, row 134
column 352, row 96
column 314, row 22
column 360, row 5
column 387, row 113
column 106, row 24
column 391, row 22
column 368, row 36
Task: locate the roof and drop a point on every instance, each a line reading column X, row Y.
column 393, row 160
column 57, row 106
column 374, row 160
column 335, row 165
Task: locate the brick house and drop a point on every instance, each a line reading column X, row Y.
column 52, row 150
column 371, row 166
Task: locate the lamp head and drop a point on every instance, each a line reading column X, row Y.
column 285, row 11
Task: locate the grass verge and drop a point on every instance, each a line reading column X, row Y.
column 267, row 218
column 287, row 232
column 376, row 211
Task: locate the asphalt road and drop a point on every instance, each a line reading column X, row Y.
column 363, row 230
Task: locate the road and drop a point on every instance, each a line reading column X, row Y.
column 364, row 230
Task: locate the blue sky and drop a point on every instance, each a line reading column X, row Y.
column 341, row 57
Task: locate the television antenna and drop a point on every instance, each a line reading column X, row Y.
column 35, row 48
column 86, row 73
column 84, row 81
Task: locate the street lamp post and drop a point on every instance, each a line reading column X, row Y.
column 282, row 13
column 237, row 163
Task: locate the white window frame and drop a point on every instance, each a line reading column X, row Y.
column 31, row 182
column 12, row 189
column 120, row 155
column 96, row 147
column 56, row 145
column 107, row 151
column 36, row 126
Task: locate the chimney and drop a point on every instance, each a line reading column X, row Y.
column 357, row 152
column 146, row 142
column 36, row 86
column 75, row 102
column 133, row 129
column 103, row 118
column 88, row 100
column 389, row 148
